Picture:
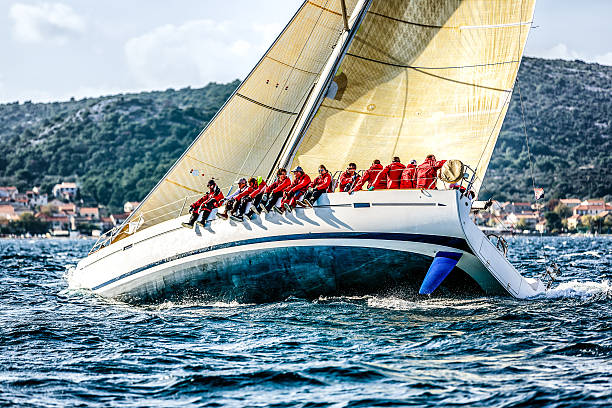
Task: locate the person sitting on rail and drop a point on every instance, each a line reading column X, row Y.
column 231, row 204
column 427, row 173
column 393, row 172
column 256, row 197
column 348, row 178
column 243, row 199
column 205, row 205
column 295, row 191
column 409, row 176
column 320, row 185
column 369, row 176
column 275, row 190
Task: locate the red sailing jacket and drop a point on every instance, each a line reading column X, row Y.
column 216, row 194
column 247, row 191
column 394, row 175
column 427, row 172
column 278, row 186
column 300, row 184
column 408, row 177
column 322, row 182
column 346, row 179
column 370, row 176
column 261, row 188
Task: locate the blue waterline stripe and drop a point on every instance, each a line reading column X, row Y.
column 452, row 242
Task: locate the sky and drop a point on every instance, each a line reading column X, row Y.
column 55, row 50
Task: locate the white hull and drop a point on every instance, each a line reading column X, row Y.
column 362, row 243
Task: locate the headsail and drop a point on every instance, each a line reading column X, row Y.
column 424, row 76
column 245, row 137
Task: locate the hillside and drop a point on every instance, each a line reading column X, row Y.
column 117, row 147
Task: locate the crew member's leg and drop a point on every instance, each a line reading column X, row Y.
column 312, row 197
column 272, row 201
column 192, row 219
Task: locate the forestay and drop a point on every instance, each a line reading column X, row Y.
column 420, row 77
column 246, row 136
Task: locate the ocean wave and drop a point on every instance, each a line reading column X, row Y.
column 579, row 289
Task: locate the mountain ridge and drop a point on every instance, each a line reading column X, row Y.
column 117, row 147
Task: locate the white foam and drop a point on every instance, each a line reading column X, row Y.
column 572, row 254
column 578, row 289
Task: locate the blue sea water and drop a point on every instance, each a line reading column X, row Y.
column 60, row 347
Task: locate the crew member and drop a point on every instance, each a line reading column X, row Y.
column 409, row 176
column 369, row 176
column 257, row 195
column 320, row 185
column 299, row 186
column 427, row 173
column 231, row 203
column 393, row 172
column 205, row 205
column 243, row 199
column 348, row 178
column 275, row 190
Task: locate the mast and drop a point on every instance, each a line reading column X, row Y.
column 320, row 88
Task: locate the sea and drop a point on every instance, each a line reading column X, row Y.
column 61, row 347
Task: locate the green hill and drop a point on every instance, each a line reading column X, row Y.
column 117, row 147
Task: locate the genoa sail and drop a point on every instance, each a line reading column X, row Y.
column 247, row 134
column 421, row 77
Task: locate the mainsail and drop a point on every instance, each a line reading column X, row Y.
column 246, row 136
column 421, row 77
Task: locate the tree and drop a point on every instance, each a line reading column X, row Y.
column 563, row 210
column 553, row 221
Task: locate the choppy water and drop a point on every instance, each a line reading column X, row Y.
column 65, row 348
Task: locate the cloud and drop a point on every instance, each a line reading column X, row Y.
column 55, row 23
column 562, row 51
column 197, row 52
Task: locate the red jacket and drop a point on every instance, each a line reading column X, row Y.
column 370, row 176
column 408, row 177
column 247, row 191
column 216, row 194
column 322, row 182
column 394, row 175
column 427, row 173
column 346, row 179
column 279, row 186
column 300, row 184
column 261, row 188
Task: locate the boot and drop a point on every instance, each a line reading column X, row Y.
column 237, row 218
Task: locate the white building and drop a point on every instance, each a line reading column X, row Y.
column 65, row 190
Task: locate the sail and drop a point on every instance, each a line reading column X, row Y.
column 421, row 77
column 247, row 134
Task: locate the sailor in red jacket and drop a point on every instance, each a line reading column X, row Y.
column 427, row 173
column 296, row 190
column 256, row 196
column 319, row 186
column 393, row 172
column 205, row 205
column 369, row 176
column 275, row 190
column 243, row 199
column 409, row 176
column 349, row 178
column 232, row 201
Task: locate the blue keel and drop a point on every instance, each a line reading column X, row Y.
column 443, row 263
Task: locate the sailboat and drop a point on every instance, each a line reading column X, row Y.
column 345, row 81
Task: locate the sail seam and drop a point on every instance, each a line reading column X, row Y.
column 404, row 21
column 291, row 66
column 266, row 106
column 326, row 9
column 520, row 23
column 418, row 67
column 185, row 187
column 215, row 167
column 421, row 70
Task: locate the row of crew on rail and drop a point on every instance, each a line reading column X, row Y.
column 256, row 196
